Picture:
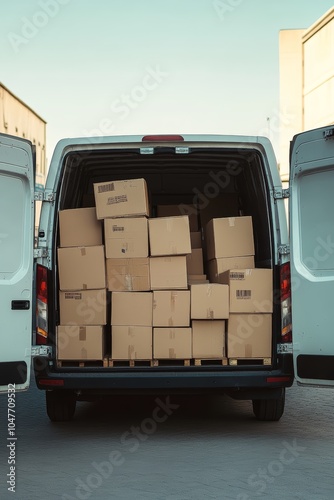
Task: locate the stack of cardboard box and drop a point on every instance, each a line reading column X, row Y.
column 82, row 284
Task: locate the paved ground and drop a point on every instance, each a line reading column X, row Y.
column 207, row 448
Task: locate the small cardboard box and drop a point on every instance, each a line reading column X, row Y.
column 81, row 268
column 128, row 275
column 126, row 238
column 208, row 339
column 225, row 205
column 171, row 308
column 169, row 236
column 79, row 228
column 249, row 336
column 251, row 290
column 84, row 307
column 196, row 239
column 181, row 209
column 216, row 267
column 134, row 308
column 195, row 262
column 128, row 198
column 80, row 343
column 229, row 237
column 209, row 301
column 168, row 273
column 131, row 342
column 172, row 343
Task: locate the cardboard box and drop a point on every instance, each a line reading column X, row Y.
column 81, row 268
column 80, row 343
column 209, row 301
column 249, row 336
column 131, row 308
column 131, row 342
column 197, row 279
column 128, row 198
column 195, row 262
column 196, row 239
column 126, row 238
column 172, row 343
column 84, row 307
column 229, row 237
column 224, row 205
column 181, row 209
column 128, row 275
column 216, row 267
column 168, row 273
column 169, row 236
column 251, row 290
column 208, row 339
column 171, row 308
column 79, row 228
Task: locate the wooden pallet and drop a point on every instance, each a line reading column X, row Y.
column 83, row 364
column 249, row 361
column 210, row 362
column 132, row 363
column 171, row 362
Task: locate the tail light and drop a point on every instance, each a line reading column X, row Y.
column 163, row 138
column 41, row 304
column 286, row 303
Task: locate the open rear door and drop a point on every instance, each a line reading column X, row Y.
column 312, row 255
column 17, row 178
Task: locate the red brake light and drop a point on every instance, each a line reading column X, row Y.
column 285, row 280
column 163, row 138
column 41, row 304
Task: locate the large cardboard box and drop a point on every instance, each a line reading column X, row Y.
column 172, row 343
column 195, row 261
column 131, row 342
column 224, row 205
column 168, row 273
column 131, row 308
column 128, row 275
column 251, row 290
column 128, row 198
column 81, row 268
column 249, row 336
column 79, row 228
column 229, row 237
column 169, row 236
column 209, row 301
column 80, row 343
column 196, row 239
column 182, row 209
column 216, row 267
column 126, row 238
column 208, row 339
column 84, row 307
column 171, row 308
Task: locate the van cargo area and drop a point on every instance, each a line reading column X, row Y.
column 211, row 181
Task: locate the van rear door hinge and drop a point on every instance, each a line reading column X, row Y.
column 43, row 196
column 40, row 253
column 280, row 194
column 284, row 250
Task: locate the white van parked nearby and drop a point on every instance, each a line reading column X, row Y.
column 177, row 169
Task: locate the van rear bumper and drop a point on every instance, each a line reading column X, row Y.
column 185, row 379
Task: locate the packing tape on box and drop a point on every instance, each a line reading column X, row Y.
column 248, row 350
column 83, row 251
column 210, row 313
column 131, row 351
column 131, row 331
column 173, row 298
column 231, row 221
column 172, row 334
column 171, row 352
column 82, row 333
column 209, row 290
column 84, row 286
column 128, row 282
column 84, row 353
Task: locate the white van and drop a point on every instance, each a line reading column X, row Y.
column 178, row 169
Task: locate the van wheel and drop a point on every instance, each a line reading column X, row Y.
column 60, row 405
column 269, row 410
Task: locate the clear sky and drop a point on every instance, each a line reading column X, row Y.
column 113, row 67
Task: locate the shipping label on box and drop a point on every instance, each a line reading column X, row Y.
column 80, row 343
column 81, row 268
column 131, row 308
column 182, row 209
column 172, row 343
column 208, row 339
column 128, row 198
column 171, row 308
column 84, row 307
column 168, row 273
column 195, row 262
column 209, row 301
column 251, row 290
column 229, row 237
column 131, row 342
column 126, row 237
column 216, row 267
column 128, row 275
column 249, row 336
column 79, row 228
column 169, row 236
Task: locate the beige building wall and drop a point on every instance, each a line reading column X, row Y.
column 306, row 59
